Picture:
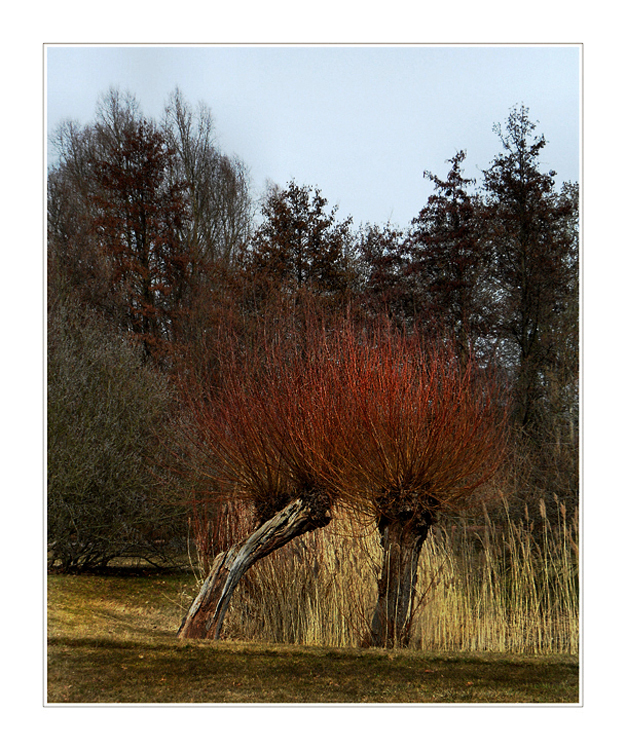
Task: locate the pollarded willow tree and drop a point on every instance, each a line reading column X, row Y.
column 265, row 433
column 419, row 431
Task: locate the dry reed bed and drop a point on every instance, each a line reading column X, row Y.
column 510, row 587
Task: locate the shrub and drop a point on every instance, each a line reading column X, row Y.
column 106, row 410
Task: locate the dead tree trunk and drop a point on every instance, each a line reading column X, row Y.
column 402, row 539
column 206, row 615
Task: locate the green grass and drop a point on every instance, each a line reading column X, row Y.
column 113, row 640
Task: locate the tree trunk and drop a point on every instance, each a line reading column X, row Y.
column 402, row 542
column 206, row 615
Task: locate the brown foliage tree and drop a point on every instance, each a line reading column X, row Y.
column 75, row 264
column 144, row 220
column 389, row 285
column 139, row 213
column 300, row 249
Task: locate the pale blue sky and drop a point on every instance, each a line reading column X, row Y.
column 361, row 123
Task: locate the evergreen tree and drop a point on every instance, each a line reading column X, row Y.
column 451, row 262
column 531, row 233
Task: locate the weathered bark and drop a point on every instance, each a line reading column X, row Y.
column 206, row 615
column 402, row 540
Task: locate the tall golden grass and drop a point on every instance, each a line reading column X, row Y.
column 510, row 586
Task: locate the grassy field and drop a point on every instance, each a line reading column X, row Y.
column 113, row 639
